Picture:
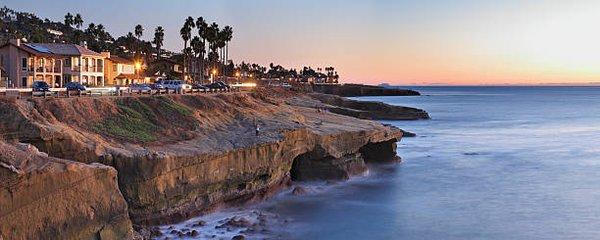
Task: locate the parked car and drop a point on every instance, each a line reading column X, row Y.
column 157, row 86
column 216, row 86
column 219, row 85
column 199, row 86
column 139, row 87
column 174, row 84
column 224, row 84
column 40, row 86
column 74, row 86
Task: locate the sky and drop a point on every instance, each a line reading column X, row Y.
column 421, row 42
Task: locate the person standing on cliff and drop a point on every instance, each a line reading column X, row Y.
column 257, row 129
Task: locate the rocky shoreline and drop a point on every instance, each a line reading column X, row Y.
column 166, row 159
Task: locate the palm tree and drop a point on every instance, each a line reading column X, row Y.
column 221, row 43
column 69, row 19
column 159, row 37
column 212, row 37
column 202, row 27
column 138, row 31
column 228, row 35
column 186, row 34
column 78, row 21
column 198, row 50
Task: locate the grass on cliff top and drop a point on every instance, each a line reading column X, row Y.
column 136, row 122
column 169, row 105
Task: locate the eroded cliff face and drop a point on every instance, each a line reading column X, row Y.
column 177, row 156
column 48, row 198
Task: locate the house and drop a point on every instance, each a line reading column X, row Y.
column 164, row 68
column 120, row 71
column 54, row 63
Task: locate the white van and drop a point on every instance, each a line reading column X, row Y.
column 174, row 84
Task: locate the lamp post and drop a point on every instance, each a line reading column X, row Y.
column 214, row 74
column 138, row 67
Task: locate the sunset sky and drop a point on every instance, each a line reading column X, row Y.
column 398, row 42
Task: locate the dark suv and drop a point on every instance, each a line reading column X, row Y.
column 40, row 86
column 74, row 86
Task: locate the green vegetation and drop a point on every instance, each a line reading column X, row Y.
column 168, row 105
column 136, row 122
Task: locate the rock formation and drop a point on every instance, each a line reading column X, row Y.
column 357, row 90
column 48, row 198
column 178, row 156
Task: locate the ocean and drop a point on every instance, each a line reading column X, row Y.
column 492, row 163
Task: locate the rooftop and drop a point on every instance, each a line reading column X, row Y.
column 65, row 49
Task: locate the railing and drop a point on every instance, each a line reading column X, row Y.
column 107, row 91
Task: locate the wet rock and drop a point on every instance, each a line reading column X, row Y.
column 238, row 237
column 155, row 232
column 408, row 134
column 199, row 224
column 299, row 190
column 237, row 222
column 192, row 233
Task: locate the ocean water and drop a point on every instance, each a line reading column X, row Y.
column 492, row 163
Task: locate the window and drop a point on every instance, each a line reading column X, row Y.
column 68, row 62
column 24, row 63
column 24, row 82
column 67, row 78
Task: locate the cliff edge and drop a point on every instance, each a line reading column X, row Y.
column 49, row 198
column 180, row 155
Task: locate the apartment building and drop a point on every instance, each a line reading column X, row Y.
column 120, row 71
column 54, row 63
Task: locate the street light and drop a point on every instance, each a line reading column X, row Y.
column 138, row 67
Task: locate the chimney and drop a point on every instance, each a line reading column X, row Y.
column 15, row 41
column 105, row 54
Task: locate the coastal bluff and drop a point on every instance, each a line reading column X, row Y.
column 161, row 159
column 358, row 90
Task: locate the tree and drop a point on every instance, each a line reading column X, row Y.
column 69, row 19
column 227, row 35
column 159, row 37
column 186, row 34
column 212, row 37
column 202, row 27
column 78, row 21
column 138, row 31
column 198, row 50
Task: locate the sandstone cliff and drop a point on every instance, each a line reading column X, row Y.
column 177, row 156
column 48, row 198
